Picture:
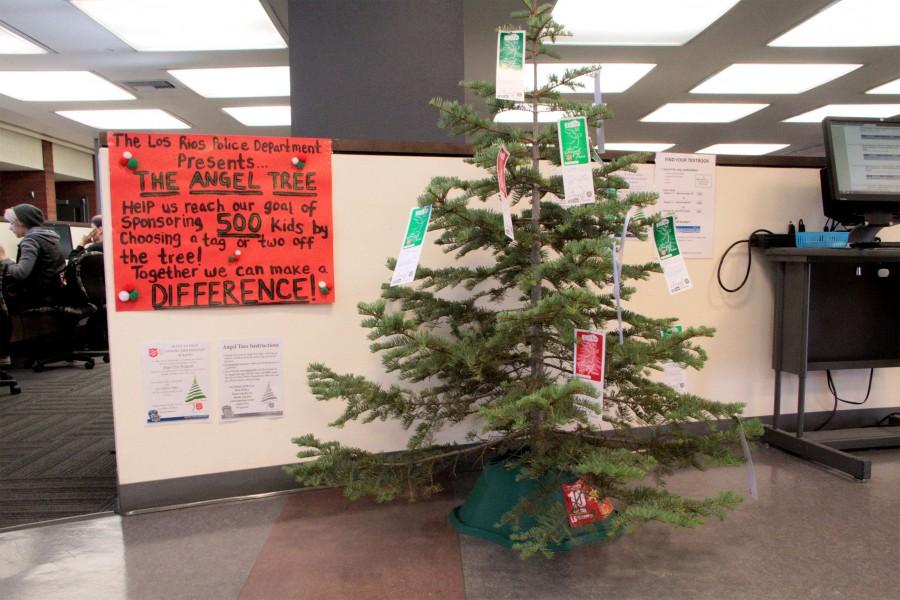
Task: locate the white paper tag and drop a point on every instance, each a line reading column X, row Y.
column 674, row 377
column 670, row 258
column 510, row 66
column 575, row 158
column 502, row 158
column 408, row 259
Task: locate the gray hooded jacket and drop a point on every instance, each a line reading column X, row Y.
column 38, row 264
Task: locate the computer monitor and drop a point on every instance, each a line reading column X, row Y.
column 861, row 182
column 65, row 236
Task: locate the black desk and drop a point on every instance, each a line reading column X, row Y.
column 834, row 311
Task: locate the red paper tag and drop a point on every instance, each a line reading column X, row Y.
column 583, row 504
column 590, row 355
column 502, row 157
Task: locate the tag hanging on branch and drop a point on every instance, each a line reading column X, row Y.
column 575, row 158
column 670, row 258
column 510, row 83
column 502, row 158
column 411, row 250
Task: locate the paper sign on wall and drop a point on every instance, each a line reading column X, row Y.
column 251, row 378
column 575, row 158
column 212, row 220
column 408, row 260
column 175, row 381
column 510, row 66
column 502, row 158
column 670, row 258
column 687, row 189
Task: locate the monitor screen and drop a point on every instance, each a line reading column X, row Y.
column 863, row 158
column 65, row 236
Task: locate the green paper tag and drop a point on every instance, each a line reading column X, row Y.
column 670, row 258
column 411, row 250
column 664, row 237
column 673, row 329
column 574, row 146
column 510, row 83
column 511, row 53
column 418, row 225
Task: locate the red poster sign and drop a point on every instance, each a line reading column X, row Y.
column 214, row 220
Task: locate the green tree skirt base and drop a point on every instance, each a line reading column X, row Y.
column 498, row 490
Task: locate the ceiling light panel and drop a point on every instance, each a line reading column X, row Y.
column 891, row 87
column 614, row 77
column 194, row 25
column 241, row 82
column 59, row 86
column 636, row 22
column 638, row 146
column 742, row 149
column 848, row 23
column 261, row 116
column 701, row 112
column 13, row 43
column 772, row 78
column 125, row 120
column 881, row 111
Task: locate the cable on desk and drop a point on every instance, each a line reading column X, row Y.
column 833, row 390
column 749, row 261
column 885, row 418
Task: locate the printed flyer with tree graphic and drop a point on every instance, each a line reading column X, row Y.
column 250, row 378
column 176, row 381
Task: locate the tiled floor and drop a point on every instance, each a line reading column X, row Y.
column 811, row 534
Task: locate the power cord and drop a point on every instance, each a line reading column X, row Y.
column 749, row 261
column 833, row 390
column 885, row 418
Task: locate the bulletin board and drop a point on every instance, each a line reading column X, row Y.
column 215, row 220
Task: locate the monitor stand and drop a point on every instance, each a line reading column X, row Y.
column 866, row 235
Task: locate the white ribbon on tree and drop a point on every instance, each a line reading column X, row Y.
column 618, row 256
column 598, row 100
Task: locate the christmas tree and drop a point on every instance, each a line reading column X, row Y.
column 194, row 393
column 269, row 396
column 494, row 341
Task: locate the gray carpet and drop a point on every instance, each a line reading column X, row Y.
column 56, row 443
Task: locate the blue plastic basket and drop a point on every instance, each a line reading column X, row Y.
column 822, row 239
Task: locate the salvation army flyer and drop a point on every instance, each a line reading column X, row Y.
column 251, row 378
column 176, row 381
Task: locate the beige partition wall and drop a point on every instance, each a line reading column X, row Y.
column 372, row 197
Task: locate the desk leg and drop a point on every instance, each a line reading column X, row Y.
column 801, row 403
column 777, row 415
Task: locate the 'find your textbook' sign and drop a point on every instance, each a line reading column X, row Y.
column 212, row 220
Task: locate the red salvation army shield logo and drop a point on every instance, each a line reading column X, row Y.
column 153, row 352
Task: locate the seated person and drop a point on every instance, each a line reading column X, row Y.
column 34, row 278
column 92, row 241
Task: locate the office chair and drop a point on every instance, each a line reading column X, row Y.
column 73, row 307
column 90, row 282
column 7, row 380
